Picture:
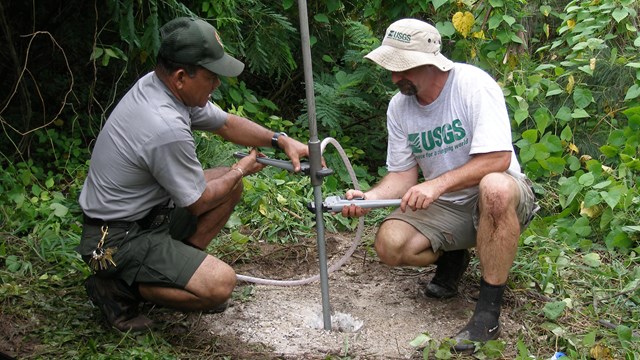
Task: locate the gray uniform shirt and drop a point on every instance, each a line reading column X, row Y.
column 145, row 154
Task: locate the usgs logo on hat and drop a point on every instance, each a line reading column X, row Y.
column 399, row 36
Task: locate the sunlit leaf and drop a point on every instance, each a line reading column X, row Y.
column 592, row 260
column 463, row 22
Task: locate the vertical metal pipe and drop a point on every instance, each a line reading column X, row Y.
column 315, row 160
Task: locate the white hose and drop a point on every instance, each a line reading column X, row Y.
column 347, row 255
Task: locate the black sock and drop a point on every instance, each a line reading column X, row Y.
column 489, row 302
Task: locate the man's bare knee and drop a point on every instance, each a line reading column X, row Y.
column 214, row 282
column 388, row 248
column 497, row 194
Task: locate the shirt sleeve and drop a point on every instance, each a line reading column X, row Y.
column 175, row 166
column 208, row 118
column 399, row 153
column 492, row 128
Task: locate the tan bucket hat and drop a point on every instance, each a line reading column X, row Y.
column 410, row 43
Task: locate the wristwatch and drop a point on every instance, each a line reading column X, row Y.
column 274, row 139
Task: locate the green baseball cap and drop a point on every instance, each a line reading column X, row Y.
column 192, row 41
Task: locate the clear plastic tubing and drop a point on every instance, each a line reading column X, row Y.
column 345, row 257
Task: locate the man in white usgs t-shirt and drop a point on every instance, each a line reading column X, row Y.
column 449, row 121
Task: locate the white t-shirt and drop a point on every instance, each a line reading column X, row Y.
column 146, row 154
column 468, row 117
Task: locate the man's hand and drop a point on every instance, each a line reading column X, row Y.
column 354, row 210
column 294, row 150
column 419, row 196
column 249, row 164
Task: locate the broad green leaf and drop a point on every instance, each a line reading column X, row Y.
column 554, row 89
column 333, row 5
column 420, row 340
column 564, row 114
column 509, row 19
column 574, row 163
column 624, row 332
column 545, row 10
column 582, row 227
column 579, row 114
column 566, row 134
column 602, row 184
column 586, row 179
column 591, row 198
column 446, row 28
column 592, row 260
column 570, row 188
column 552, row 143
column 619, row 14
column 618, row 239
column 582, row 97
column 617, row 138
column 552, row 310
column 438, row 3
column 494, row 22
column 527, row 154
column 555, row 164
column 542, row 117
column 589, row 340
column 520, row 115
column 605, row 218
column 530, row 135
column 286, row 4
column 496, row 3
column 544, row 67
column 613, row 196
column 59, row 210
column 322, row 18
column 632, row 93
column 609, row 151
column 541, row 151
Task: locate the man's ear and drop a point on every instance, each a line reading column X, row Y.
column 178, row 77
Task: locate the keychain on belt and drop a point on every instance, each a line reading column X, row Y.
column 101, row 258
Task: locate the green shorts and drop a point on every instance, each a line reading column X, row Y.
column 451, row 226
column 157, row 256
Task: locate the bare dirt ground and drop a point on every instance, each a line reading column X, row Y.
column 382, row 306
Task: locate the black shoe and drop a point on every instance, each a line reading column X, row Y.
column 450, row 267
column 117, row 302
column 482, row 327
column 485, row 322
column 220, row 308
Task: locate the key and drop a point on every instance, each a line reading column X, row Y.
column 102, row 258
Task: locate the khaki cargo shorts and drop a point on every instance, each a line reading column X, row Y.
column 450, row 226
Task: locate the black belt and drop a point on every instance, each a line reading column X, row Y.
column 156, row 217
column 100, row 222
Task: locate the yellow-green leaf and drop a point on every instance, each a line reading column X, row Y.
column 463, row 22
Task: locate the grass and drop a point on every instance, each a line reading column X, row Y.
column 585, row 304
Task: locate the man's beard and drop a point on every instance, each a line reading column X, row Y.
column 406, row 87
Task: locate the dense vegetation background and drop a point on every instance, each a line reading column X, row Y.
column 570, row 74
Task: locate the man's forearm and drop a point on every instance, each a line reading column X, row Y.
column 394, row 185
column 245, row 132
